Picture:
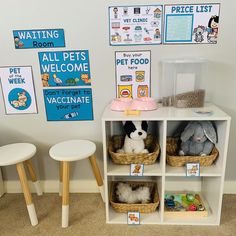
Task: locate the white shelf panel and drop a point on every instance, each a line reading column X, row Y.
column 209, row 220
column 124, row 170
column 210, row 171
column 167, row 113
column 121, row 218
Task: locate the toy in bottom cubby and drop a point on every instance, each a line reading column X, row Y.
column 184, row 205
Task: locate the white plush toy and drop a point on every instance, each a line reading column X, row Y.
column 125, row 194
column 136, row 132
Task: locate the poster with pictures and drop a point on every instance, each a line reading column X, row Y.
column 18, row 89
column 39, row 38
column 195, row 23
column 65, row 68
column 68, row 104
column 135, row 25
column 133, row 74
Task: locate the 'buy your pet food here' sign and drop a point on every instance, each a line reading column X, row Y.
column 133, row 74
column 18, row 89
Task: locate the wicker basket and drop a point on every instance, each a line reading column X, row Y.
column 140, row 207
column 117, row 142
column 172, row 158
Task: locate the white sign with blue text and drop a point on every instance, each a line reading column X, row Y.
column 65, row 68
column 68, row 104
column 195, row 23
column 133, row 74
column 39, row 38
column 135, row 25
column 18, row 89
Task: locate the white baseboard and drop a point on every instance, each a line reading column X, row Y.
column 52, row 186
column 230, row 187
column 82, row 186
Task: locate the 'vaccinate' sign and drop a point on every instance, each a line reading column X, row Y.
column 68, row 104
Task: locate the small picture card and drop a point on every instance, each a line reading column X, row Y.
column 192, row 169
column 136, row 169
column 133, row 218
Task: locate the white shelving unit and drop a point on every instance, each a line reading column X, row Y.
column 162, row 122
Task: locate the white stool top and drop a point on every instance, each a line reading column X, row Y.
column 72, row 150
column 17, row 152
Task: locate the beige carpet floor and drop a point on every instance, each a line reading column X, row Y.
column 87, row 217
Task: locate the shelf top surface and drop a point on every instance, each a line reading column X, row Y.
column 168, row 113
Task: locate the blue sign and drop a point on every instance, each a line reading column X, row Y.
column 68, row 104
column 42, row 38
column 65, row 68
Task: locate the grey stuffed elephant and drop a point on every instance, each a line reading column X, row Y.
column 198, row 138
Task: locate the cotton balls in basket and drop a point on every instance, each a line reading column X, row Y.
column 126, row 194
column 136, row 132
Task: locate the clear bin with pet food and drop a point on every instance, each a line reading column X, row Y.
column 181, row 83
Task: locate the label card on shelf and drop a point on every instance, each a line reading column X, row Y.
column 192, row 169
column 133, row 218
column 136, row 169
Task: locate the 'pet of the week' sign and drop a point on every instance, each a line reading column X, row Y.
column 40, row 38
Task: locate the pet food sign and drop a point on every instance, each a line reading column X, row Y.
column 65, row 68
column 46, row 38
column 135, row 25
column 196, row 23
column 68, row 104
column 133, row 74
column 18, row 89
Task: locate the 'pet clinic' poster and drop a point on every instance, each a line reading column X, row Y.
column 46, row 38
column 135, row 25
column 196, row 23
column 65, row 68
column 133, row 74
column 18, row 89
column 68, row 104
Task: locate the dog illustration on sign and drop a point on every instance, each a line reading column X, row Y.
column 45, row 77
column 21, row 101
column 137, row 169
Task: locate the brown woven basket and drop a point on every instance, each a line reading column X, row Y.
column 117, row 142
column 172, row 158
column 140, row 207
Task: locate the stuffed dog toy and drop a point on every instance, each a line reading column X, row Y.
column 136, row 132
column 125, row 193
column 198, row 138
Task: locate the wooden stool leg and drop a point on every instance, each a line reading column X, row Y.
column 28, row 199
column 97, row 175
column 60, row 177
column 33, row 176
column 65, row 193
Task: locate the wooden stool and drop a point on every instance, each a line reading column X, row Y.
column 74, row 150
column 19, row 154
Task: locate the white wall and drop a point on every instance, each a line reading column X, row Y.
column 86, row 27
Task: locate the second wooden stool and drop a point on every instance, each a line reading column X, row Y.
column 74, row 150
